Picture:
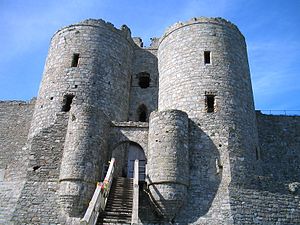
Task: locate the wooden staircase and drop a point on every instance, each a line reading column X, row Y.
column 119, row 204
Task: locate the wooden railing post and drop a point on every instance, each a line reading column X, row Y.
column 99, row 198
column 135, row 203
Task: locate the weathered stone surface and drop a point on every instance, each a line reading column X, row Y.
column 15, row 119
column 83, row 157
column 168, row 161
column 39, row 201
column 101, row 78
column 209, row 158
column 279, row 152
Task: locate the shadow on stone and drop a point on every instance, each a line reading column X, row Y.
column 205, row 176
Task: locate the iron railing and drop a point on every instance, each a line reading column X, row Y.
column 279, row 112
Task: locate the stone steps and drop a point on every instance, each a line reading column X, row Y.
column 119, row 204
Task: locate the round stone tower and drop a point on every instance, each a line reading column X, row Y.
column 204, row 57
column 168, row 161
column 204, row 71
column 87, row 62
column 87, row 75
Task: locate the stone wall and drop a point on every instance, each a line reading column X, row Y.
column 250, row 206
column 275, row 196
column 279, row 142
column 126, row 132
column 38, row 202
column 15, row 119
column 209, row 176
column 145, row 60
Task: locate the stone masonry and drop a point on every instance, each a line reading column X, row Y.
column 183, row 106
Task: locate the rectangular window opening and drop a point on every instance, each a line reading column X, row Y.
column 207, row 57
column 210, row 103
column 67, row 102
column 257, row 153
column 75, row 60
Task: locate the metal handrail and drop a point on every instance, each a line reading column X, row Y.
column 286, row 112
column 135, row 202
column 99, row 198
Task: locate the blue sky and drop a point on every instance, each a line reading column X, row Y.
column 271, row 28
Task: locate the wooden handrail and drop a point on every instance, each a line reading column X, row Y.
column 99, row 198
column 135, row 202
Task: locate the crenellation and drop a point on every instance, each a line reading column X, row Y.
column 124, row 30
column 182, row 106
column 154, row 43
column 138, row 41
column 204, row 20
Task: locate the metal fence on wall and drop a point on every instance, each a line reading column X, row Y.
column 279, row 112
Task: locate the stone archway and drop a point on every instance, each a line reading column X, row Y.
column 136, row 152
column 125, row 154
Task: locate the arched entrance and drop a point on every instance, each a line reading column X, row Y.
column 125, row 154
column 136, row 152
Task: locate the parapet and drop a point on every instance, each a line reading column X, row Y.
column 153, row 45
column 197, row 20
column 138, row 41
column 154, row 42
column 18, row 102
column 123, row 31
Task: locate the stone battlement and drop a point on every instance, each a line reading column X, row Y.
column 200, row 20
column 124, row 31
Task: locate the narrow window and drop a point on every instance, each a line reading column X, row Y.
column 142, row 113
column 210, row 103
column 75, row 60
column 35, row 168
column 257, row 153
column 144, row 79
column 67, row 103
column 207, row 57
column 142, row 116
